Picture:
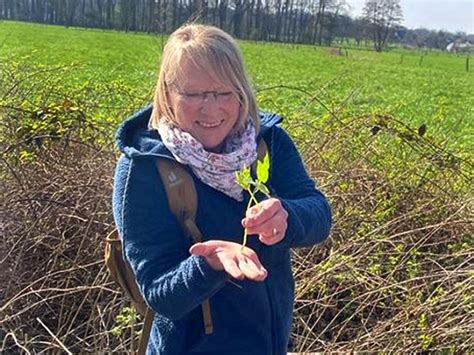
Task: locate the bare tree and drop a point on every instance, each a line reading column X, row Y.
column 71, row 6
column 223, row 4
column 382, row 16
column 110, row 18
column 239, row 11
column 250, row 15
column 335, row 21
column 297, row 21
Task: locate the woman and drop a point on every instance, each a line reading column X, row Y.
column 205, row 117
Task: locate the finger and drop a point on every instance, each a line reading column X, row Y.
column 252, row 255
column 200, row 249
column 277, row 223
column 271, row 240
column 208, row 248
column 250, row 270
column 261, row 212
column 232, row 269
column 276, row 236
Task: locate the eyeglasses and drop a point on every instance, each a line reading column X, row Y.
column 198, row 98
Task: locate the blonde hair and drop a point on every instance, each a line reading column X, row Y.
column 214, row 50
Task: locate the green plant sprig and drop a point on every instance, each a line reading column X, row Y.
column 245, row 180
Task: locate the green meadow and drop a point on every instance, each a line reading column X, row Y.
column 388, row 137
column 416, row 87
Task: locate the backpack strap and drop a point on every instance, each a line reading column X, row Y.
column 181, row 194
column 121, row 272
column 262, row 149
column 144, row 337
column 182, row 200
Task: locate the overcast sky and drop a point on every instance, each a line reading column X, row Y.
column 451, row 15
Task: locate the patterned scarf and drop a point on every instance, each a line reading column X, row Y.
column 214, row 169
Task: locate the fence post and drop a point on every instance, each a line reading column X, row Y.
column 467, row 63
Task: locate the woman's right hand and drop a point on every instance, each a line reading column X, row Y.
column 238, row 262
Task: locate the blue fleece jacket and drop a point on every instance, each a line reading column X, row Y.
column 249, row 317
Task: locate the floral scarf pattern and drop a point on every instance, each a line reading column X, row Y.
column 214, row 169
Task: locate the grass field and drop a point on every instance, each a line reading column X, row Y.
column 395, row 275
column 438, row 92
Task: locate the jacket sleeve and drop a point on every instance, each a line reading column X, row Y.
column 172, row 281
column 309, row 213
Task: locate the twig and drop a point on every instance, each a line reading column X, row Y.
column 54, row 337
column 11, row 334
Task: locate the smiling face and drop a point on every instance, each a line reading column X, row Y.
column 209, row 120
column 199, row 64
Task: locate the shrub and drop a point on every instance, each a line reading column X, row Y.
column 395, row 275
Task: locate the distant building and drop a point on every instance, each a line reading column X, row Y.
column 460, row 46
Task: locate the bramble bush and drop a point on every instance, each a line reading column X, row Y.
column 396, row 273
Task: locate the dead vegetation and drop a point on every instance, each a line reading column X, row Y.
column 395, row 275
column 397, row 271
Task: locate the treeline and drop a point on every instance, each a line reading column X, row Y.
column 271, row 20
column 321, row 22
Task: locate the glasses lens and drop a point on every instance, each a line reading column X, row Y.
column 198, row 98
column 195, row 99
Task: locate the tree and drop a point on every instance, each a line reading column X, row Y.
column 238, row 7
column 382, row 16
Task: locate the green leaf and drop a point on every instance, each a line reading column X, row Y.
column 263, row 168
column 243, row 177
column 265, row 191
column 262, row 188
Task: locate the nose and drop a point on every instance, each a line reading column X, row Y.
column 210, row 106
column 211, row 93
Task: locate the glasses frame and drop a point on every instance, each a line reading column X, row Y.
column 200, row 97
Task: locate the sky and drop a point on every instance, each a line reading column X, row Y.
column 450, row 15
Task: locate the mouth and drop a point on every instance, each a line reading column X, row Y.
column 209, row 124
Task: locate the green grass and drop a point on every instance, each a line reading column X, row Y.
column 436, row 93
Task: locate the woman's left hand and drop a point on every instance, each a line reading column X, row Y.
column 268, row 219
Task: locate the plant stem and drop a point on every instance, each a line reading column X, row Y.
column 254, row 200
column 245, row 238
column 252, row 197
